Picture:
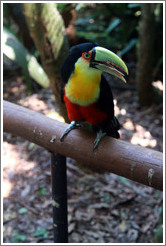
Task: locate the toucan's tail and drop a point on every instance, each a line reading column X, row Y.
column 111, row 127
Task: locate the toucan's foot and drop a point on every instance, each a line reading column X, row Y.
column 73, row 125
column 100, row 135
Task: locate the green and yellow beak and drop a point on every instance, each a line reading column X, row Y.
column 107, row 61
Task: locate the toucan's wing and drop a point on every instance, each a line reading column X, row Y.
column 106, row 104
column 105, row 101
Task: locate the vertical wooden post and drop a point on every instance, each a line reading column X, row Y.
column 59, row 198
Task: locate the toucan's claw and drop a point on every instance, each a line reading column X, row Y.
column 73, row 125
column 100, row 135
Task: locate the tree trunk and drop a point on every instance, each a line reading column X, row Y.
column 146, row 55
column 47, row 31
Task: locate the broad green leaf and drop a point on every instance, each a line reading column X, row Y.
column 15, row 51
column 41, row 232
column 129, row 46
column 113, row 24
column 22, row 210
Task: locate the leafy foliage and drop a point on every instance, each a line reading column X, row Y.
column 22, row 210
column 108, row 23
column 114, row 25
column 42, row 191
column 17, row 237
column 15, row 50
column 41, row 232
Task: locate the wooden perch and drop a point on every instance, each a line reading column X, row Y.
column 140, row 164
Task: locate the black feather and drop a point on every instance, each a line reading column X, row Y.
column 106, row 104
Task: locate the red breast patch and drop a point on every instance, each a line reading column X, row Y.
column 90, row 113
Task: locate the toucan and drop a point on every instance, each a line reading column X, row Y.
column 85, row 91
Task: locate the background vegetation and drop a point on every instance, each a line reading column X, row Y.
column 115, row 26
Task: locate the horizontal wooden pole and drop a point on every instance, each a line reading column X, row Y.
column 140, row 164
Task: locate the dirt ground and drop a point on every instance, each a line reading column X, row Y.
column 102, row 208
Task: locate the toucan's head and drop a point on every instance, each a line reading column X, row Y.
column 96, row 57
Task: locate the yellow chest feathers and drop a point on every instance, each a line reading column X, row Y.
column 83, row 87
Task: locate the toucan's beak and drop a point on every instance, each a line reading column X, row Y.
column 107, row 61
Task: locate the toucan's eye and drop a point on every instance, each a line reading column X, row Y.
column 86, row 55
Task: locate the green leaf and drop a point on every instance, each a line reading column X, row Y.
column 130, row 45
column 42, row 191
column 22, row 210
column 113, row 25
column 17, row 237
column 15, row 51
column 31, row 146
column 124, row 180
column 41, row 232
